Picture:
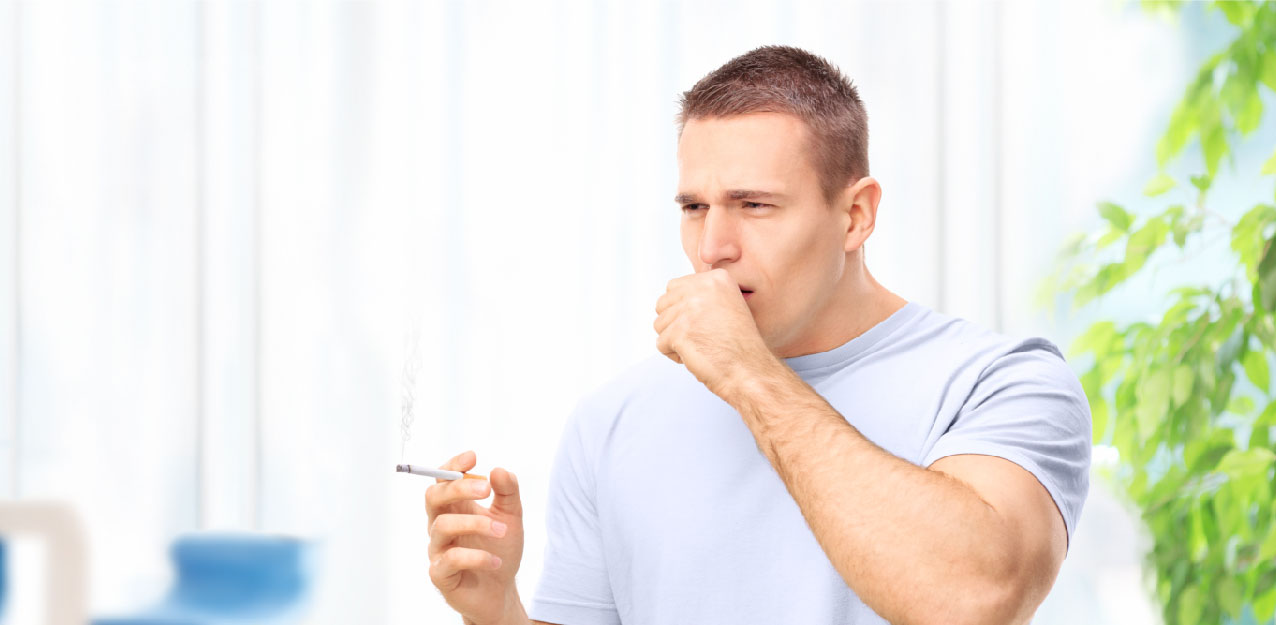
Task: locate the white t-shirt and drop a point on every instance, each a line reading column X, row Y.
column 662, row 511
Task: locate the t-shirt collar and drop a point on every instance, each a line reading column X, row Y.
column 856, row 346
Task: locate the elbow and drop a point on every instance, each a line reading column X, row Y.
column 987, row 608
column 991, row 605
column 993, row 598
column 1002, row 599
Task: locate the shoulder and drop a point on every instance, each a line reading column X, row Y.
column 954, row 342
column 985, row 362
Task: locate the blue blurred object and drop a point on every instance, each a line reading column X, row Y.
column 232, row 578
column 4, row 576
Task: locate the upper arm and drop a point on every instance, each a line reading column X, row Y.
column 1039, row 539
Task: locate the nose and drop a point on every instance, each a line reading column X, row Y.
column 719, row 239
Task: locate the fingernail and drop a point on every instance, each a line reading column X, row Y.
column 496, row 562
column 498, row 528
column 478, row 488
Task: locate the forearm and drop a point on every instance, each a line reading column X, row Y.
column 514, row 613
column 916, row 545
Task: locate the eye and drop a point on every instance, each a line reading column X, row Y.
column 686, row 208
column 756, row 205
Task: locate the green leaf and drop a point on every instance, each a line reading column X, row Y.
column 1202, row 182
column 1154, row 401
column 1264, row 328
column 1267, row 550
column 1183, row 122
column 1183, row 379
column 1203, row 456
column 1230, row 596
column 1268, row 418
column 1268, row 75
column 1180, row 234
column 1097, row 338
column 1098, row 420
column 1141, row 245
column 1241, row 405
column 1250, row 114
column 1267, row 276
column 1111, row 236
column 1255, row 363
column 1269, row 167
column 1214, row 146
column 1115, row 215
column 1239, row 464
column 1190, row 604
column 1159, row 184
column 1265, row 596
column 1238, row 13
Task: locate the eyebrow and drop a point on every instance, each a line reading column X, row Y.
column 732, row 194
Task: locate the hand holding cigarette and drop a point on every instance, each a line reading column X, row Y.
column 475, row 551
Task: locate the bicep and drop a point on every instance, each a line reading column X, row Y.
column 1027, row 508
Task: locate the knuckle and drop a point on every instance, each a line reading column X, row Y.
column 439, row 568
column 440, row 526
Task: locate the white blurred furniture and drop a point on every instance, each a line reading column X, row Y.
column 66, row 567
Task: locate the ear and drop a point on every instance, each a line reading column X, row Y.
column 860, row 200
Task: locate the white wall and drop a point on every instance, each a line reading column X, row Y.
column 219, row 222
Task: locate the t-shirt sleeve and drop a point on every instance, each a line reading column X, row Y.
column 1028, row 407
column 574, row 588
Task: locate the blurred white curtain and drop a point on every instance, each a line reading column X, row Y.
column 219, row 222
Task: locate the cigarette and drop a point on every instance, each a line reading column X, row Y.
column 436, row 473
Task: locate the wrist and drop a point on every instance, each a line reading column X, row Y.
column 752, row 384
column 741, row 376
column 512, row 613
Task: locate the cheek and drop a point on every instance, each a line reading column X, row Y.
column 690, row 236
column 811, row 260
column 807, row 273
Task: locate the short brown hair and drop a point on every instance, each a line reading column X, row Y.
column 783, row 79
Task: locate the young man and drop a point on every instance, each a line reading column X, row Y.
column 836, row 454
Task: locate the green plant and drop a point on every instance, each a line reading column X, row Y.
column 1188, row 401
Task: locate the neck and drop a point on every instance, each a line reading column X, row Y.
column 859, row 304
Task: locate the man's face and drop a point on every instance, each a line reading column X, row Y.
column 752, row 204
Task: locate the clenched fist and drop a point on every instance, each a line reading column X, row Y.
column 704, row 323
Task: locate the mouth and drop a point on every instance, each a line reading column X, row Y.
column 746, row 292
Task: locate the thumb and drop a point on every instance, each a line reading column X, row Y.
column 505, row 497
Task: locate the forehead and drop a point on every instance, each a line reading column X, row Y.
column 744, row 151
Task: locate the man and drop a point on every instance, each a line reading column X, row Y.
column 811, row 448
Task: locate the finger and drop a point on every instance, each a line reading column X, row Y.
column 448, row 492
column 664, row 320
column 461, row 462
column 448, row 566
column 669, row 352
column 681, row 282
column 665, row 301
column 506, row 498
column 446, row 528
